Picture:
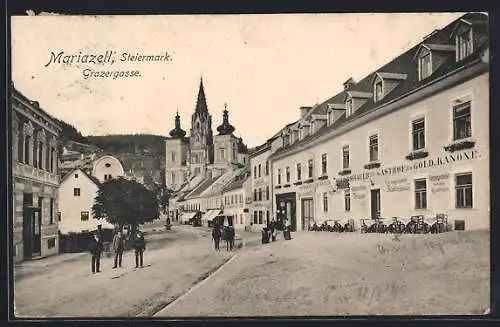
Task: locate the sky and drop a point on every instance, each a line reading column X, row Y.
column 265, row 67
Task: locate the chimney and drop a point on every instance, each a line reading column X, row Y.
column 350, row 82
column 304, row 111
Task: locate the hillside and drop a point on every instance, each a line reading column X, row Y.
column 131, row 143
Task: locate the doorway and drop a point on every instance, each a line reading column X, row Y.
column 286, row 208
column 375, row 203
column 307, row 213
column 32, row 227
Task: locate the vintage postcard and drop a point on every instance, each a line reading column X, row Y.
column 250, row 165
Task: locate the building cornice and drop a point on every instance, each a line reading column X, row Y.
column 450, row 79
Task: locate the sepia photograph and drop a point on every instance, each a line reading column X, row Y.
column 251, row 165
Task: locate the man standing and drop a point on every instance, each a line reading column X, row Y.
column 140, row 246
column 216, row 235
column 96, row 249
column 118, row 245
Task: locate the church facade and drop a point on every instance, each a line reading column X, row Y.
column 193, row 162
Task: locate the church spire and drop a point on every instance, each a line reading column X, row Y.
column 177, row 132
column 226, row 128
column 201, row 102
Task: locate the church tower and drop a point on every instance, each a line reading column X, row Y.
column 201, row 136
column 225, row 144
column 176, row 153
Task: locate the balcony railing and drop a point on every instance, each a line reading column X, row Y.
column 27, row 171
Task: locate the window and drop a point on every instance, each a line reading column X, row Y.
column 52, row 159
column 379, row 92
column 267, row 192
column 259, row 170
column 425, row 66
column 345, row 157
column 325, row 201
column 173, row 178
column 348, row 107
column 347, row 200
column 85, row 215
column 464, row 44
column 222, row 154
column 260, row 194
column 40, row 205
column 20, row 143
column 109, row 165
column 261, row 213
column 255, row 217
column 173, row 156
column 310, row 168
column 51, row 242
column 255, row 194
column 241, row 198
column 299, row 172
column 241, row 219
column 58, row 216
column 267, row 215
column 373, row 143
column 254, row 171
column 288, row 174
column 35, row 152
column 418, row 134
column 27, row 149
column 286, row 140
column 420, row 194
column 279, row 176
column 461, row 121
column 40, row 155
column 52, row 202
column 463, row 190
column 324, row 164
column 76, row 175
column 76, row 192
column 267, row 168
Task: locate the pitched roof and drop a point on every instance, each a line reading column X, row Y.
column 92, row 178
column 237, row 181
column 403, row 63
column 202, row 186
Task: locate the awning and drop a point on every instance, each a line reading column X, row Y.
column 211, row 214
column 187, row 215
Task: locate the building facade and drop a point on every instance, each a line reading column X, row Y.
column 77, row 192
column 411, row 138
column 35, row 137
column 262, row 208
column 107, row 167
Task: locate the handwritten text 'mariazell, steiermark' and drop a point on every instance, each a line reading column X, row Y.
column 108, row 57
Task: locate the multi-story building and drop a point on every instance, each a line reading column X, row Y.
column 410, row 138
column 77, row 192
column 234, row 202
column 262, row 209
column 35, row 137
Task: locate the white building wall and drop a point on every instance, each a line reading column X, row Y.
column 394, row 130
column 71, row 206
column 107, row 165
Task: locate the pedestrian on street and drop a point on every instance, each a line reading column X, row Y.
column 118, row 245
column 274, row 228
column 216, row 235
column 140, row 247
column 96, row 248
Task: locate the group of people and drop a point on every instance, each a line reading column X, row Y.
column 117, row 246
column 226, row 233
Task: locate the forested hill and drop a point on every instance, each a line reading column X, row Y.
column 137, row 143
column 132, row 143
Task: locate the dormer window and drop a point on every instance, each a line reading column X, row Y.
column 464, row 44
column 425, row 66
column 348, row 107
column 379, row 91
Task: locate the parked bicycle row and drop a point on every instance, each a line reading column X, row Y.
column 399, row 225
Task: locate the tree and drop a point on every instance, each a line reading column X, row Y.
column 122, row 202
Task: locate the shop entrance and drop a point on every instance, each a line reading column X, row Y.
column 307, row 213
column 375, row 203
column 32, row 227
column 286, row 210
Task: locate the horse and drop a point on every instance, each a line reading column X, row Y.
column 228, row 236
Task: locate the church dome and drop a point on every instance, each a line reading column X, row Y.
column 177, row 132
column 225, row 128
